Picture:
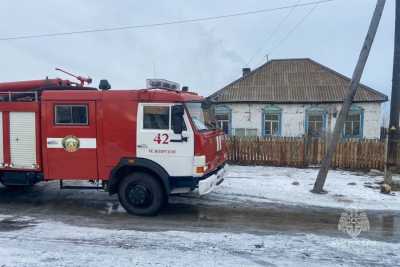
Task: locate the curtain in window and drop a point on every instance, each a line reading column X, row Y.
column 353, row 126
column 315, row 123
column 271, row 124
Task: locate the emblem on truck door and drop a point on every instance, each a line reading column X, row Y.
column 70, row 143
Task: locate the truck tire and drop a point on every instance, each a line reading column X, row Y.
column 141, row 194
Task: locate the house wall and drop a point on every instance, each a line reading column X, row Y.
column 293, row 117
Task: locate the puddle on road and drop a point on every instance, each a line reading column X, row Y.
column 15, row 223
column 180, row 215
column 384, row 226
column 97, row 209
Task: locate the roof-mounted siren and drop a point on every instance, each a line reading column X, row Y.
column 82, row 80
column 104, row 85
column 162, row 84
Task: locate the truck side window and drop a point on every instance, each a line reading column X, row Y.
column 71, row 114
column 155, row 117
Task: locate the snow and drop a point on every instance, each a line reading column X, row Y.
column 275, row 185
column 49, row 243
column 32, row 242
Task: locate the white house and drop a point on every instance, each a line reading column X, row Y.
column 295, row 97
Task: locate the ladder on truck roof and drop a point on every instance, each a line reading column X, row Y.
column 10, row 96
column 30, row 91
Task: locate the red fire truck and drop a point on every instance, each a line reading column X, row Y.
column 143, row 145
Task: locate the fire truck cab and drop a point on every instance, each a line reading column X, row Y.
column 143, row 145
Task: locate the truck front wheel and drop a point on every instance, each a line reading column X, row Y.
column 141, row 194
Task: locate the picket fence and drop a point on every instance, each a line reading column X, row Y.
column 353, row 154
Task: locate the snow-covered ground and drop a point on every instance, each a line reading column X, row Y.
column 292, row 186
column 50, row 243
column 46, row 227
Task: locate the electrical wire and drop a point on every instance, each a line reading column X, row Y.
column 278, row 26
column 160, row 24
column 281, row 41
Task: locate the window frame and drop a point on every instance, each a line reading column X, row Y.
column 251, row 129
column 156, row 105
column 245, row 132
column 85, row 105
column 223, row 110
column 355, row 110
column 272, row 110
column 235, row 132
column 313, row 111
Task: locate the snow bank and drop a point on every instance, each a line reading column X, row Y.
column 292, row 186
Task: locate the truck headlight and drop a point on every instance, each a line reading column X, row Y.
column 199, row 164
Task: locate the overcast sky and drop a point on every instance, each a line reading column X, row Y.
column 205, row 55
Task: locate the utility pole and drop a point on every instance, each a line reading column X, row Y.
column 355, row 81
column 394, row 132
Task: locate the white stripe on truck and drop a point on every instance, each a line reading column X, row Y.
column 83, row 142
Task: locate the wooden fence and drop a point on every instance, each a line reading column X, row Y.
column 303, row 152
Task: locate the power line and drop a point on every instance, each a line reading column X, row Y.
column 160, row 24
column 274, row 32
column 280, row 42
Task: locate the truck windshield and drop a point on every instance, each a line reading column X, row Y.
column 202, row 115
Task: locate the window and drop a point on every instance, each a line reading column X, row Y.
column 223, row 118
column 156, row 117
column 71, row 114
column 245, row 132
column 223, row 122
column 272, row 121
column 251, row 132
column 202, row 115
column 353, row 123
column 315, row 122
column 352, row 126
column 240, row 132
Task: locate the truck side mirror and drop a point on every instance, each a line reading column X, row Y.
column 177, row 118
column 206, row 104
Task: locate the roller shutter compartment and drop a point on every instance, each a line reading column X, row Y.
column 23, row 140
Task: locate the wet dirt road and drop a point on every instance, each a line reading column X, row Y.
column 209, row 214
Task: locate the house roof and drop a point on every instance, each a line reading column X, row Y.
column 293, row 81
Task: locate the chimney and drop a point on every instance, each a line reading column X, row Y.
column 246, row 71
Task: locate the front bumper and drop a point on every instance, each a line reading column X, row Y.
column 208, row 184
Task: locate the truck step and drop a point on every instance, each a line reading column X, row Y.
column 79, row 187
column 20, row 178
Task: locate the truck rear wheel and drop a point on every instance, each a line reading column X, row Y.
column 141, row 194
